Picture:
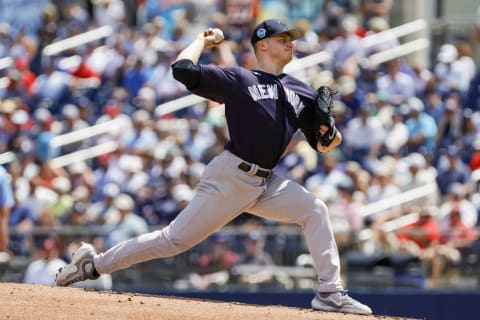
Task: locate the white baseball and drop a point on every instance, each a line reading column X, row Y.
column 217, row 35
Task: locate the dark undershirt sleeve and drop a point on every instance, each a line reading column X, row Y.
column 307, row 125
column 186, row 72
column 208, row 81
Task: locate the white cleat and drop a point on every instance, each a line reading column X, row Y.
column 339, row 302
column 81, row 268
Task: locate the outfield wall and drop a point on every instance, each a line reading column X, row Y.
column 431, row 305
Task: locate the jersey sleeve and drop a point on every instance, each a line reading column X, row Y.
column 216, row 83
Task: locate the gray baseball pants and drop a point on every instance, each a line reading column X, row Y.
column 223, row 193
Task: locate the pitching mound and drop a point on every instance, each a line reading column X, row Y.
column 22, row 301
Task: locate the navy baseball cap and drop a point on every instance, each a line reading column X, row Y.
column 270, row 28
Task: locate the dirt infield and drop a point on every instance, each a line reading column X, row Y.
column 21, row 301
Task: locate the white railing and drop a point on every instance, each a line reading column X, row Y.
column 396, row 52
column 399, row 199
column 5, row 63
column 388, row 226
column 77, row 40
column 7, row 157
column 110, row 126
column 177, row 104
column 84, row 154
column 398, row 32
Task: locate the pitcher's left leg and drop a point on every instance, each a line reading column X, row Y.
column 287, row 201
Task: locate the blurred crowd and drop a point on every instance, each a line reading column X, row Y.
column 405, row 125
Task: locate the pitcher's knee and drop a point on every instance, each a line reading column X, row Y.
column 317, row 213
column 179, row 243
column 320, row 207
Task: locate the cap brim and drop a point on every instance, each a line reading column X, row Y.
column 295, row 34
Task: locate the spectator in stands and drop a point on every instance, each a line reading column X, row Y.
column 115, row 110
column 142, row 138
column 363, row 137
column 216, row 147
column 109, row 12
column 367, row 79
column 329, row 18
column 346, row 214
column 147, row 98
column 254, row 255
column 71, row 120
column 465, row 64
column 453, row 248
column 22, row 220
column 422, row 129
column 86, row 110
column 346, row 47
column 456, row 235
column 375, row 8
column 134, row 174
column 129, row 225
column 473, row 93
column 396, row 84
column 382, row 187
column 378, row 27
column 103, row 211
column 20, row 137
column 135, row 76
column 6, row 203
column 81, row 174
column 7, row 133
column 447, row 74
column 15, row 86
column 474, row 162
column 200, row 136
column 451, row 170
column 420, row 235
column 215, row 264
column 469, row 133
column 477, row 24
column 52, row 85
column 165, row 205
column 422, row 239
column 434, row 106
column 396, row 135
column 330, row 174
column 64, row 200
column 456, row 199
column 44, row 266
column 44, row 151
column 450, row 123
column 350, row 95
column 422, row 78
column 419, row 174
column 292, row 164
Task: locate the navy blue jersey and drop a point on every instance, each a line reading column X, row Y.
column 261, row 109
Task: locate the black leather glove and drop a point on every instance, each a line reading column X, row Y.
column 323, row 116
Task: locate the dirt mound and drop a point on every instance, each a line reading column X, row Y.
column 23, row 301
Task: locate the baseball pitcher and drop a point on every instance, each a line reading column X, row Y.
column 263, row 108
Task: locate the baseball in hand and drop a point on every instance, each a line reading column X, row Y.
column 217, row 35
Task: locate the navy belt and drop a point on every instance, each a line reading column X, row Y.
column 254, row 170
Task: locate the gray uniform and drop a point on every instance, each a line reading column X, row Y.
column 263, row 112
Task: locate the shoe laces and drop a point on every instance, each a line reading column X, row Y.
column 344, row 292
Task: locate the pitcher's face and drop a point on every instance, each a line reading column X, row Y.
column 280, row 48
